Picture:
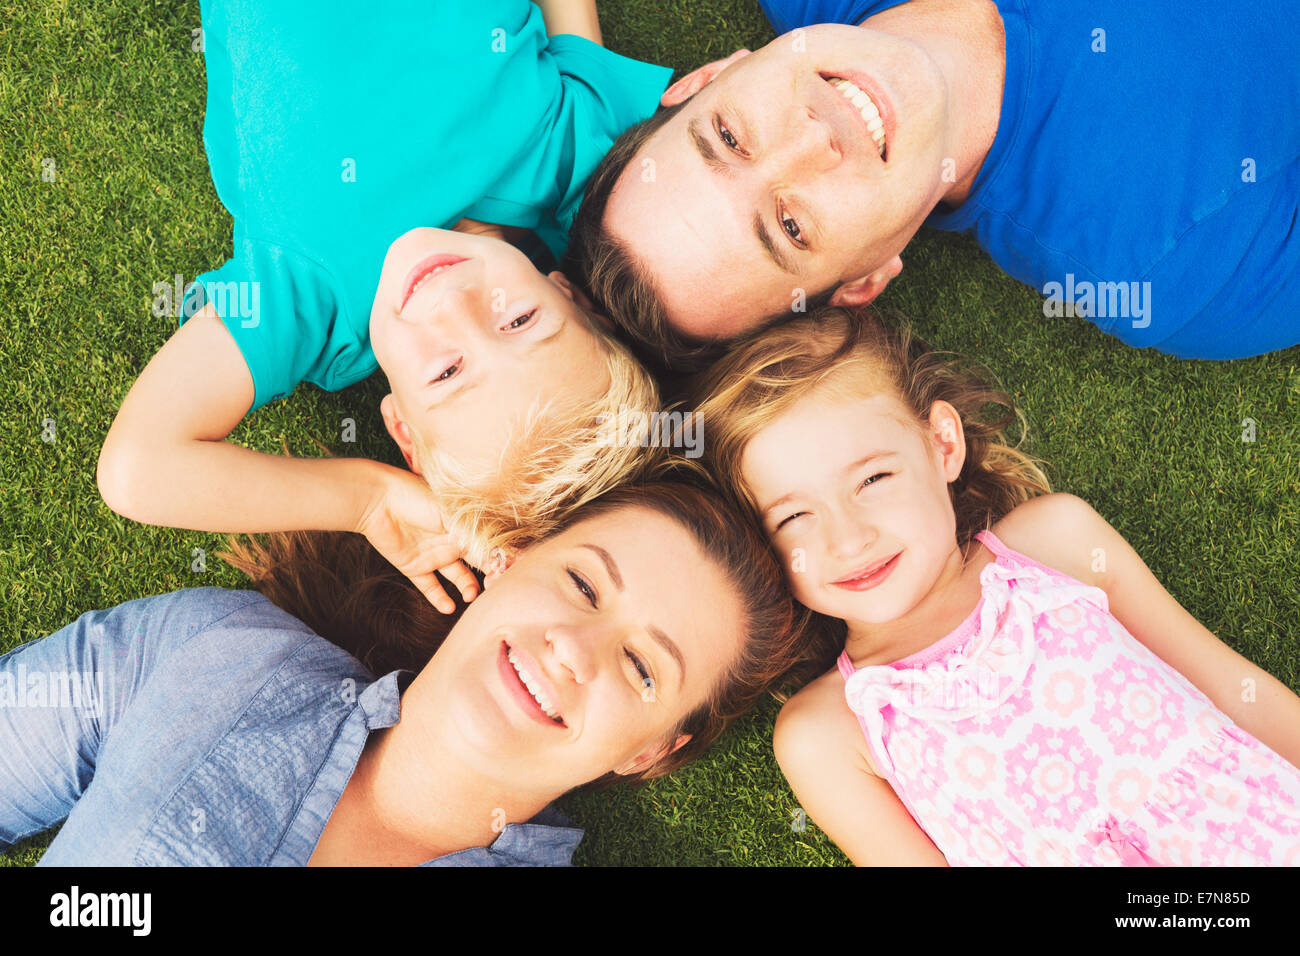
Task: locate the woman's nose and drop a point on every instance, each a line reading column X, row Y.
column 574, row 650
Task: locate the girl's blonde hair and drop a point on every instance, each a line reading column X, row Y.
column 847, row 354
column 561, row 455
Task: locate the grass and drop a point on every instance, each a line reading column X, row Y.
column 112, row 92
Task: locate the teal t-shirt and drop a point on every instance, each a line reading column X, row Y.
column 332, row 129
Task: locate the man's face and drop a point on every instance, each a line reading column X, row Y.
column 771, row 179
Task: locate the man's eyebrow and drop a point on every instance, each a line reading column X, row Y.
column 705, row 148
column 662, row 639
column 777, row 254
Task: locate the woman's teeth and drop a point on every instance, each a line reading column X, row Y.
column 533, row 688
column 864, row 105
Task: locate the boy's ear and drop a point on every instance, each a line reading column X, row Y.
column 399, row 430
column 864, row 289
column 697, row 79
column 498, row 561
column 573, row 292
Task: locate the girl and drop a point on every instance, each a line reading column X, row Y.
column 328, row 134
column 1020, row 688
column 223, row 730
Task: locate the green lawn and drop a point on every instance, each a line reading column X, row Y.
column 113, row 94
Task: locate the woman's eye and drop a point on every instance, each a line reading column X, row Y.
column 585, row 589
column 648, row 686
column 728, row 138
column 520, row 322
column 448, row 373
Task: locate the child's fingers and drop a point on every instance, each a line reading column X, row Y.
column 432, row 589
column 459, row 574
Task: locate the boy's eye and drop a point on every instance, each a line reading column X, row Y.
column 583, row 587
column 520, row 322
column 448, row 373
column 875, row 478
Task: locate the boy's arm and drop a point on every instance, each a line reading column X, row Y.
column 1064, row 532
column 571, row 16
column 817, row 742
column 165, row 461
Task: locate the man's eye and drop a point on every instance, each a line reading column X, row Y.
column 791, row 227
column 728, row 138
column 520, row 322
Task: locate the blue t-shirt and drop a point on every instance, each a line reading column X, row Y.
column 330, row 132
column 1146, row 165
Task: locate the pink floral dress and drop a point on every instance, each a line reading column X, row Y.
column 1040, row 732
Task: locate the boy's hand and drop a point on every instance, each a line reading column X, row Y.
column 405, row 526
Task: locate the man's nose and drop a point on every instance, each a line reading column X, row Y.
column 809, row 146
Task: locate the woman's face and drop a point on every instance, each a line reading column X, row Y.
column 583, row 656
column 470, row 335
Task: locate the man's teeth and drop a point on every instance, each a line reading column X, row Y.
column 864, row 105
column 534, row 688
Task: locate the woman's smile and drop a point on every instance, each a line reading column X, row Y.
column 527, row 685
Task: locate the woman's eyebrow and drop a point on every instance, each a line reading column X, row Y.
column 660, row 638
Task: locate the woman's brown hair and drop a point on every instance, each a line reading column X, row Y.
column 338, row 585
column 854, row 354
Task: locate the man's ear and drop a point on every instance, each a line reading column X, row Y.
column 697, row 79
column 863, row 290
column 648, row 758
column 949, row 439
column 399, row 430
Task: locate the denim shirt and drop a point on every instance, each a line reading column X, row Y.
column 201, row 727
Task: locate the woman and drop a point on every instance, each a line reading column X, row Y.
column 222, row 730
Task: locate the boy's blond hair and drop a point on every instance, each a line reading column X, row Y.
column 560, row 455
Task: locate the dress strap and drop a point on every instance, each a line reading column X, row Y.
column 845, row 665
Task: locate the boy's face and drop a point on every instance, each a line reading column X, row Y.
column 770, row 180
column 470, row 336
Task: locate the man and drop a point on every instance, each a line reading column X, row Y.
column 1138, row 160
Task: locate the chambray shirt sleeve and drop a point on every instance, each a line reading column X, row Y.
column 281, row 310
column 62, row 695
column 787, row 15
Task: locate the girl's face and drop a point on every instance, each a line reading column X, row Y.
column 854, row 497
column 470, row 335
column 582, row 656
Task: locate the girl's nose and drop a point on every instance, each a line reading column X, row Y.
column 849, row 536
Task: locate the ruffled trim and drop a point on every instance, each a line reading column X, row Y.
column 978, row 678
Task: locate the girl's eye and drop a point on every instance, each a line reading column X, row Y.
column 648, row 686
column 785, row 521
column 791, row 228
column 520, row 322
column 583, row 588
column 728, row 138
column 448, row 373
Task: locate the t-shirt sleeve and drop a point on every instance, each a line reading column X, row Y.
column 604, row 94
column 280, row 309
column 787, row 15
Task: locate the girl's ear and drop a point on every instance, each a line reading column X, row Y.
column 949, row 439
column 399, row 431
column 697, row 79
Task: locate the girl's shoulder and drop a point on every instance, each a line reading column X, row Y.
column 818, row 724
column 1060, row 531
